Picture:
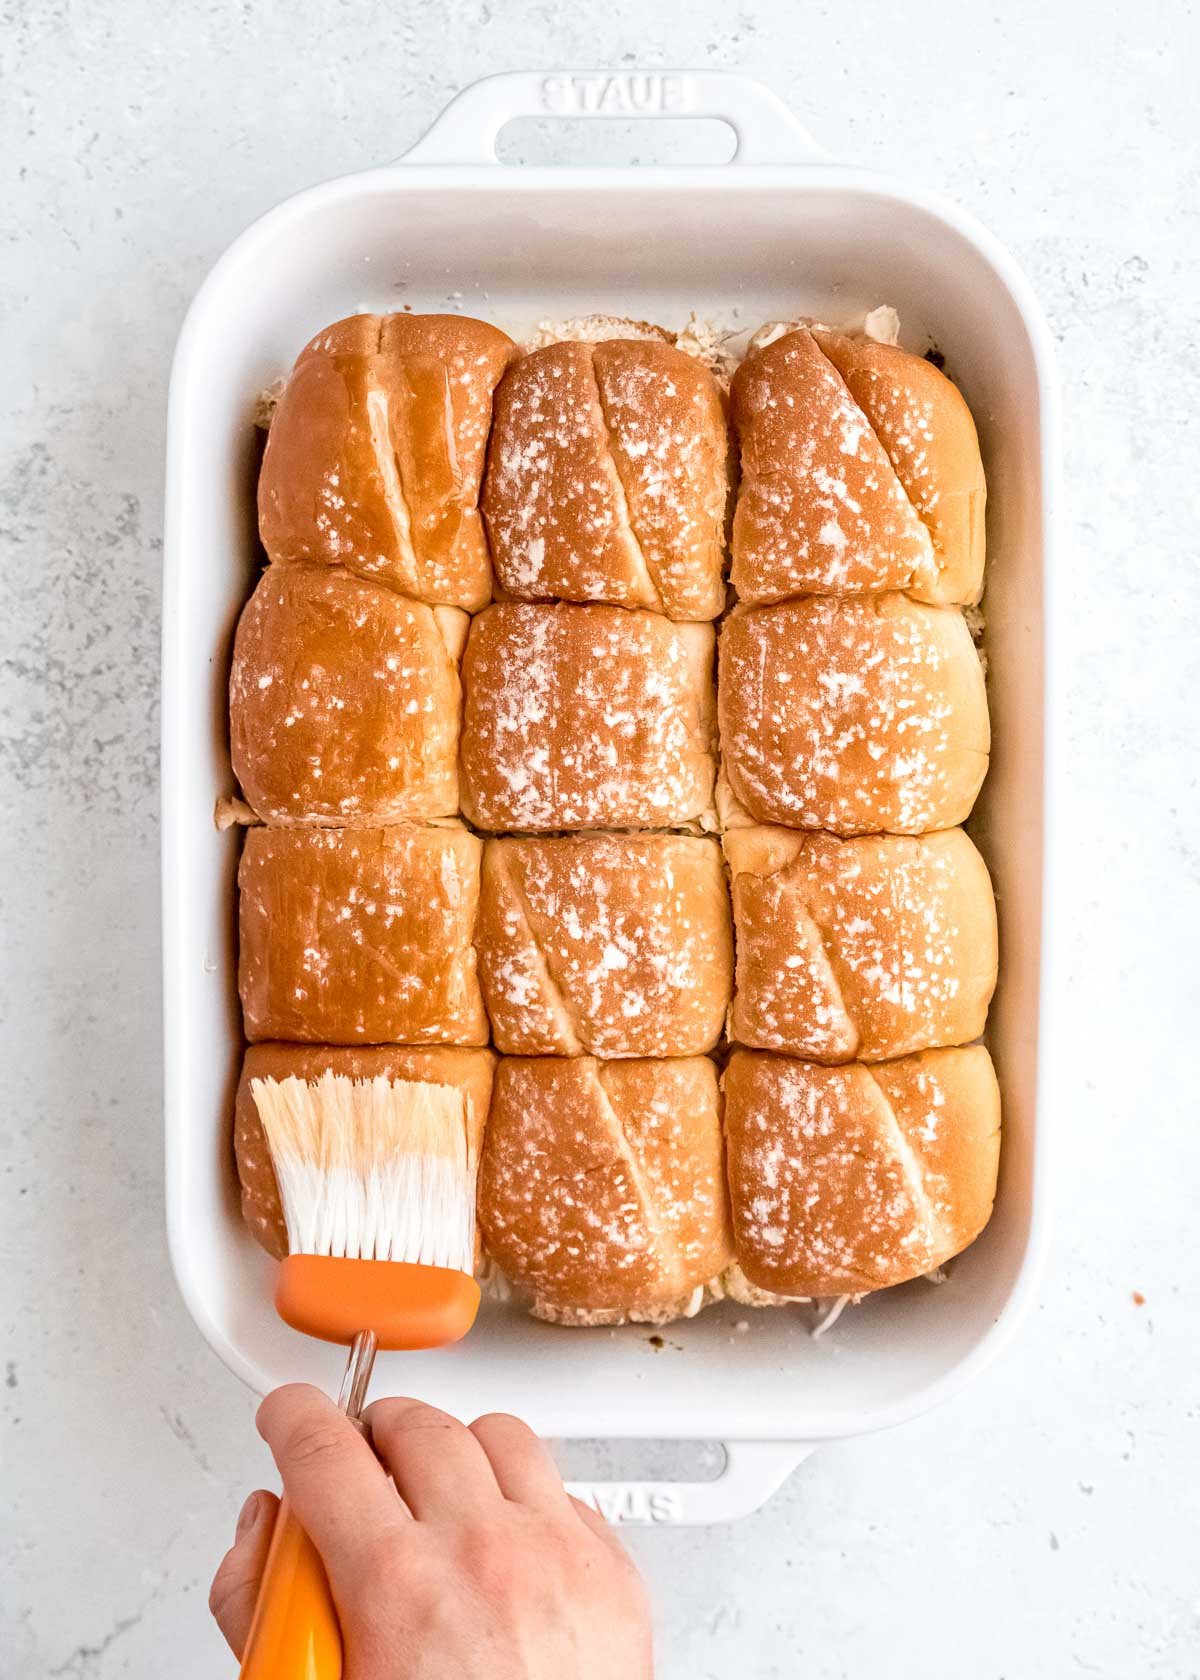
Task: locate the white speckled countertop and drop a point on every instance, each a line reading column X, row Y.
column 1047, row 1522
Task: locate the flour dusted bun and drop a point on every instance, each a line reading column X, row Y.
column 360, row 936
column 607, row 478
column 860, row 716
column 601, row 1189
column 376, row 452
column 586, row 717
column 344, row 702
column 595, row 329
column 608, row 945
column 860, row 472
column 469, row 1071
column 860, row 949
column 850, row 1179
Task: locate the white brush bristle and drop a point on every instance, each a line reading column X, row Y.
column 372, row 1169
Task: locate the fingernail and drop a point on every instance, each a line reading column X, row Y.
column 249, row 1515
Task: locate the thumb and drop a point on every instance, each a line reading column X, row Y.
column 234, row 1591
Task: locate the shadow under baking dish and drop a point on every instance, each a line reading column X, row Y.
column 737, row 246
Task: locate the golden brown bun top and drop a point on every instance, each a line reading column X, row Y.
column 344, row 703
column 850, row 1179
column 609, row 945
column 861, row 716
column 859, row 948
column 448, row 337
column 861, row 473
column 922, row 420
column 376, row 453
column 360, row 936
column 468, row 1070
column 586, row 717
column 600, row 1189
column 607, row 478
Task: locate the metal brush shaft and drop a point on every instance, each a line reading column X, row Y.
column 358, row 1374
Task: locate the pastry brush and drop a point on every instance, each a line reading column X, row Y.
column 378, row 1195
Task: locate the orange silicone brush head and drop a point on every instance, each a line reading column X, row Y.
column 407, row 1305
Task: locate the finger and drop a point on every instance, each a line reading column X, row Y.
column 439, row 1468
column 337, row 1487
column 521, row 1464
column 234, row 1590
column 592, row 1518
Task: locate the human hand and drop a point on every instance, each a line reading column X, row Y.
column 476, row 1565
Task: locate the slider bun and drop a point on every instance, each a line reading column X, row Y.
column 344, row 702
column 595, row 329
column 376, row 452
column 850, row 1179
column 586, row 717
column 860, row 471
column 469, row 1071
column 866, row 948
column 360, row 936
column 608, row 945
column 601, row 1190
column 860, row 716
column 607, row 478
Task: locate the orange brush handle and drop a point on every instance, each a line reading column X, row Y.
column 295, row 1633
column 407, row 1306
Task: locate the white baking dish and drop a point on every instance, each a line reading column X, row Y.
column 779, row 231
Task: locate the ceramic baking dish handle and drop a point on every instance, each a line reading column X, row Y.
column 765, row 128
column 754, row 1470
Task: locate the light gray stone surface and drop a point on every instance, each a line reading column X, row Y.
column 1046, row 1523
